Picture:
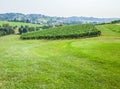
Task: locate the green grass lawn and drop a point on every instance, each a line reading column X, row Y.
column 90, row 63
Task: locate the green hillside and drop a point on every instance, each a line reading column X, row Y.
column 19, row 24
column 70, row 31
column 15, row 26
column 90, row 63
column 109, row 30
column 113, row 27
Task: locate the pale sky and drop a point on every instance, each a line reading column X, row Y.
column 89, row 8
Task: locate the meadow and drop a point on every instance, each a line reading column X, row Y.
column 19, row 24
column 89, row 63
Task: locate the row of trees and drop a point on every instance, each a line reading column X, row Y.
column 115, row 21
column 112, row 22
column 6, row 29
column 16, row 20
column 24, row 29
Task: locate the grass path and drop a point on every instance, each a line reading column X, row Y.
column 91, row 63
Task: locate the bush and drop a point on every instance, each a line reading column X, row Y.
column 6, row 29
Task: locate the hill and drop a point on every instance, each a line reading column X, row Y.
column 20, row 24
column 42, row 19
column 91, row 63
column 7, row 27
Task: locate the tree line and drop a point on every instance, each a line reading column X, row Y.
column 6, row 29
column 24, row 29
column 115, row 21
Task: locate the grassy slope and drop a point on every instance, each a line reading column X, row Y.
column 91, row 63
column 19, row 24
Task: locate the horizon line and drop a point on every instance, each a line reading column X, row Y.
column 56, row 16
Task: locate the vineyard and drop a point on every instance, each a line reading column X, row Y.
column 71, row 31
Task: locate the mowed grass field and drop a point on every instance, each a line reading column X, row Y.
column 90, row 63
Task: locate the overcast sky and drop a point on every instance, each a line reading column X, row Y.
column 90, row 8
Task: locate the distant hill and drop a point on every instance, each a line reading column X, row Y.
column 42, row 19
column 116, row 22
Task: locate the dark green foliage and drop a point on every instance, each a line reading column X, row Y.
column 46, row 26
column 32, row 29
column 71, row 31
column 115, row 21
column 6, row 29
column 20, row 30
column 24, row 29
